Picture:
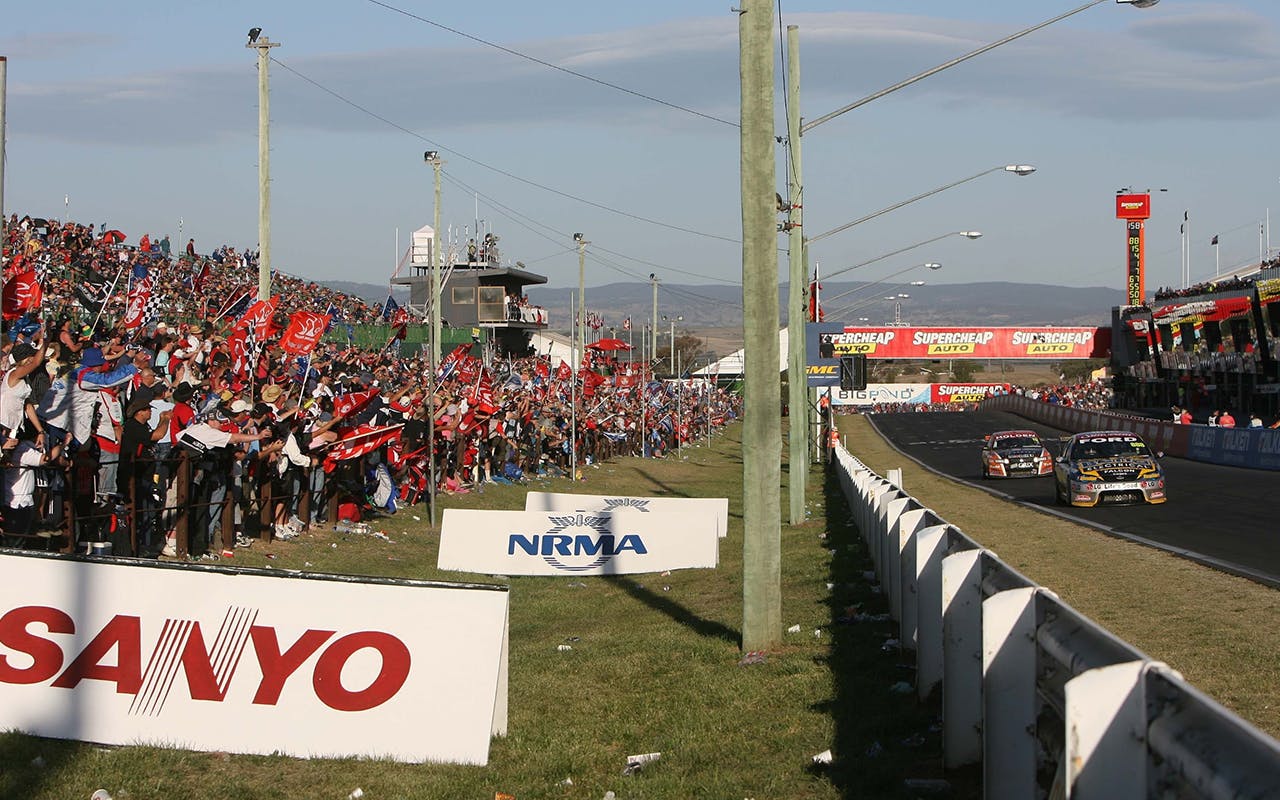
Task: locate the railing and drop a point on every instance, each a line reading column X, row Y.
column 1046, row 700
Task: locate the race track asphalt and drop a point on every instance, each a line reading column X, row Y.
column 1225, row 517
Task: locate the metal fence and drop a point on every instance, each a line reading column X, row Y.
column 1046, row 700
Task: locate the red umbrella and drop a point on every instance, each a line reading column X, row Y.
column 609, row 344
column 112, row 237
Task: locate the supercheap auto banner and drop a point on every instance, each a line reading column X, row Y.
column 826, row 342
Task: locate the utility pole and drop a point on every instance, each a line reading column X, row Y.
column 582, row 295
column 761, row 441
column 433, row 354
column 797, row 316
column 263, row 45
column 653, row 329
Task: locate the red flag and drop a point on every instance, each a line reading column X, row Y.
column 239, row 355
column 469, row 369
column 258, row 317
column 482, row 397
column 304, row 332
column 21, row 293
column 543, row 368
column 816, row 314
column 563, row 372
column 358, row 441
column 626, row 324
column 136, row 311
column 353, row 403
column 400, row 321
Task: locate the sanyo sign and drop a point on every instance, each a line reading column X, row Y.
column 251, row 662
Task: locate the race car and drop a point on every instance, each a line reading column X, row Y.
column 1015, row 454
column 1105, row 467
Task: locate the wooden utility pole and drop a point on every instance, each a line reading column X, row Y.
column 4, row 79
column 761, row 439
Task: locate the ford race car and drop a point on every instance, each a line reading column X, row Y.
column 1015, row 454
column 1107, row 467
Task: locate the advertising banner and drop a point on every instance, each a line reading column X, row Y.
column 965, row 392
column 248, row 661
column 559, row 501
column 576, row 542
column 826, row 342
column 879, row 393
column 1133, row 206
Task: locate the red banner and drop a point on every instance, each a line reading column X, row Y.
column 304, row 332
column 965, row 392
column 939, row 343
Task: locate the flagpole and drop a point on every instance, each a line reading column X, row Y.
column 107, row 299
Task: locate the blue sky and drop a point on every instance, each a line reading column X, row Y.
column 144, row 113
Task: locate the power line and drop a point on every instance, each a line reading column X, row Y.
column 556, row 67
column 499, row 170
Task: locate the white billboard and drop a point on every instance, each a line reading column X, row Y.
column 881, row 393
column 560, row 501
column 575, row 542
column 249, row 661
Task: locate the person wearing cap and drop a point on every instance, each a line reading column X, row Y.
column 27, row 358
column 137, row 464
column 209, row 482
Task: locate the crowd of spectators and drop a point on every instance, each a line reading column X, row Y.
column 1092, row 395
column 1215, row 286
column 92, row 408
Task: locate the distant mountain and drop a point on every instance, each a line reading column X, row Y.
column 369, row 292
column 718, row 306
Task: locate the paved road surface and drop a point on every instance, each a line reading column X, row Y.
column 1225, row 516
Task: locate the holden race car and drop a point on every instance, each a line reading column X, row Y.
column 1015, row 454
column 1104, row 467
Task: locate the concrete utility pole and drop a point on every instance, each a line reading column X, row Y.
column 761, row 441
column 263, row 46
column 437, row 259
column 433, row 158
column 797, row 314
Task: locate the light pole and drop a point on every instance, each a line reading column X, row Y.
column 582, row 294
column 263, row 45
column 1012, row 169
column 933, row 266
column 653, row 327
column 971, row 235
column 672, row 339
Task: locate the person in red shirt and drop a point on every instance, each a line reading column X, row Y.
column 1225, row 420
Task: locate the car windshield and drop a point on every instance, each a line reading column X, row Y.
column 1011, row 442
column 1110, row 447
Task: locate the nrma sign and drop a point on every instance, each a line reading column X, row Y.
column 576, row 543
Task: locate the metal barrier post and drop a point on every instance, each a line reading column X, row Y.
column 1106, row 733
column 929, row 549
column 962, row 658
column 1009, row 695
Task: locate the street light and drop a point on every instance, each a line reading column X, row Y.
column 673, row 321
column 930, row 265
column 970, row 235
column 1013, row 169
column 930, row 72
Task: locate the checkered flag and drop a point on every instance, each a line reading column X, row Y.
column 151, row 313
